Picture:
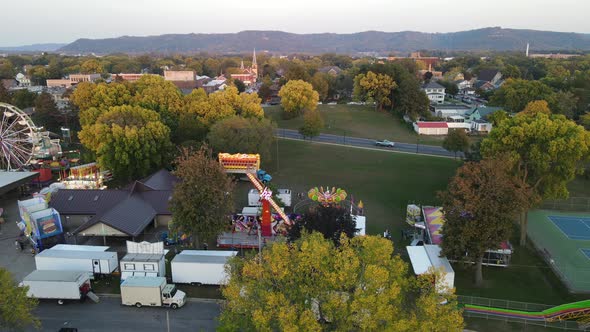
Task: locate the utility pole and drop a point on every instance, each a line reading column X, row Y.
column 277, row 139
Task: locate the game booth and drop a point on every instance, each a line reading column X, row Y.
column 434, row 221
column 40, row 224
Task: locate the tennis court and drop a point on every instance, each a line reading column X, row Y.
column 576, row 228
column 564, row 241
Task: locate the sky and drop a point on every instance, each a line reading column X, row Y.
column 63, row 21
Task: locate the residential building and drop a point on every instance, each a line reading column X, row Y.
column 247, row 75
column 435, row 92
column 488, row 79
column 481, row 112
column 330, row 70
column 481, row 126
column 447, row 110
column 219, row 83
column 22, row 80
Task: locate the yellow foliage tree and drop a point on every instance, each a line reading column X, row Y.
column 297, row 95
column 537, row 106
column 91, row 66
column 313, row 285
column 374, row 88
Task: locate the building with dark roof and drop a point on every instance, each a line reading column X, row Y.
column 331, row 70
column 435, row 92
column 118, row 212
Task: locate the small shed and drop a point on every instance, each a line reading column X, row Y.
column 143, row 265
column 431, row 128
column 427, row 258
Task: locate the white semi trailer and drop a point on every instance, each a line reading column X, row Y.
column 201, row 267
column 59, row 285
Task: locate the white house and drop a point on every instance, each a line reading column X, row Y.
column 481, row 126
column 435, row 92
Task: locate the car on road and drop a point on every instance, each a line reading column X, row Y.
column 385, row 143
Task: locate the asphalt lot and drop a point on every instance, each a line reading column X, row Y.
column 369, row 143
column 110, row 315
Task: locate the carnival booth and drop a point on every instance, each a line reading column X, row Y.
column 40, row 223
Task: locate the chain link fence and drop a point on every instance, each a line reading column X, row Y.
column 578, row 204
column 516, row 305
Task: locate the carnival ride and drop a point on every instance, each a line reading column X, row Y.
column 21, row 142
column 579, row 311
column 249, row 164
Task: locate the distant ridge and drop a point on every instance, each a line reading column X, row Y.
column 486, row 39
column 50, row 47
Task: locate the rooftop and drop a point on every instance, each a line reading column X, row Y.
column 432, row 85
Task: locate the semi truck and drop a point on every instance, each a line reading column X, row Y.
column 59, row 285
column 201, row 267
column 151, row 291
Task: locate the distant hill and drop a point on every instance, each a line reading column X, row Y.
column 487, row 39
column 32, row 48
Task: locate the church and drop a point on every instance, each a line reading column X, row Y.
column 247, row 75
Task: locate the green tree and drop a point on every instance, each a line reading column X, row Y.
column 511, row 71
column 312, row 285
column 16, row 308
column 408, row 98
column 537, row 106
column 298, row 95
column 450, row 87
column 46, row 113
column 312, row 124
column 566, row 103
column 4, row 94
column 515, row 94
column 202, row 200
column 264, row 91
column 479, row 205
column 330, row 221
column 243, row 135
column 374, row 87
column 128, row 140
column 498, row 116
column 240, row 85
column 23, row 98
column 585, row 121
column 101, row 96
column 321, row 85
column 91, row 66
column 545, row 153
column 456, row 141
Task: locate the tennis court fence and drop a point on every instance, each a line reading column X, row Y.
column 515, row 305
column 581, row 204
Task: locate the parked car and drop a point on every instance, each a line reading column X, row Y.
column 385, row 143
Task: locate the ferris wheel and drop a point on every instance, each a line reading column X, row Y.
column 18, row 138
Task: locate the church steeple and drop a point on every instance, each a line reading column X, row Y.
column 242, row 65
column 254, row 64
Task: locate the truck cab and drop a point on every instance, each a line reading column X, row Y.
column 172, row 297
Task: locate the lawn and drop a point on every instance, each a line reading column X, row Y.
column 357, row 121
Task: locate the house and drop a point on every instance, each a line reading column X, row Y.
column 9, row 83
column 463, row 84
column 202, row 80
column 491, row 76
column 481, row 112
column 481, row 126
column 117, row 212
column 22, row 80
column 330, row 70
column 247, row 75
column 219, row 83
column 431, row 128
column 435, row 92
column 484, row 86
column 58, row 93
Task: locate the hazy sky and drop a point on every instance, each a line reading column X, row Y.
column 42, row 21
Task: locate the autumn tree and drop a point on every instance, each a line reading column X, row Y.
column 46, row 113
column 128, row 140
column 91, row 66
column 202, row 200
column 374, row 88
column 101, row 96
column 313, row 285
column 16, row 308
column 456, row 141
column 331, row 221
column 537, row 106
column 498, row 116
column 312, row 124
column 515, row 94
column 243, row 135
column 479, row 206
column 298, row 95
column 545, row 152
column 320, row 83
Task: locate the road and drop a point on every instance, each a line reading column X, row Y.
column 110, row 315
column 370, row 143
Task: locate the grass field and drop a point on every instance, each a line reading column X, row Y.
column 357, row 121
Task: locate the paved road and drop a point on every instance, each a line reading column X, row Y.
column 369, row 143
column 110, row 315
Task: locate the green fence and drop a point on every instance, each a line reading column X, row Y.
column 580, row 204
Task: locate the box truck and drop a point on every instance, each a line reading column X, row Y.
column 151, row 291
column 283, row 194
column 201, row 267
column 93, row 262
column 59, row 285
